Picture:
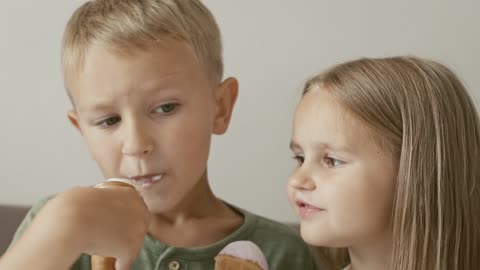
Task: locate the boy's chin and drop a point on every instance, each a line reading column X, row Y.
column 158, row 206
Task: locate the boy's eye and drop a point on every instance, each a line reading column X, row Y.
column 299, row 159
column 108, row 122
column 333, row 162
column 166, row 108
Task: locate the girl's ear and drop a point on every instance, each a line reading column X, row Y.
column 225, row 96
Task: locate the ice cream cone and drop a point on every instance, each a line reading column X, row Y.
column 227, row 262
column 102, row 263
column 241, row 255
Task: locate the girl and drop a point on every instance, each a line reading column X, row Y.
column 388, row 174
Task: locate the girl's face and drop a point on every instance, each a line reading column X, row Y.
column 344, row 183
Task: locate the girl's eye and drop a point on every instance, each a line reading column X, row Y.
column 299, row 159
column 333, row 162
column 166, row 108
column 108, row 122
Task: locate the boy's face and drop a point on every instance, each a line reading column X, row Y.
column 149, row 116
column 344, row 184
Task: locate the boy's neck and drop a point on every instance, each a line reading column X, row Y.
column 200, row 220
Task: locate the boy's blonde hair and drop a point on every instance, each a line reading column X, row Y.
column 123, row 25
column 424, row 115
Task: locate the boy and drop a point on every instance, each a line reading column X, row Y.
column 145, row 81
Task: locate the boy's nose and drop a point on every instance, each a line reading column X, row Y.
column 138, row 142
column 140, row 151
column 301, row 180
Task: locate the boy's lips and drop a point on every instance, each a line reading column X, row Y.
column 306, row 210
column 147, row 180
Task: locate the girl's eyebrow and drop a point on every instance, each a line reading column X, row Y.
column 321, row 145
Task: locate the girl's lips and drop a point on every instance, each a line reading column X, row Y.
column 306, row 210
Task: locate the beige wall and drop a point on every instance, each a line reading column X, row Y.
column 272, row 46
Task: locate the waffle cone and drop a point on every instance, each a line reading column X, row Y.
column 102, row 263
column 226, row 262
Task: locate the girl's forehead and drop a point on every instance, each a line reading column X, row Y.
column 321, row 119
column 321, row 107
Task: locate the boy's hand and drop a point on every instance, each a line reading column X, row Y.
column 106, row 222
column 110, row 222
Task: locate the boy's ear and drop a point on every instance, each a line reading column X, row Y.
column 225, row 96
column 72, row 116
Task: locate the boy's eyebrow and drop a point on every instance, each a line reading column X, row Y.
column 157, row 86
column 93, row 108
column 294, row 145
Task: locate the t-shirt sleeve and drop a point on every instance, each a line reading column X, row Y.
column 27, row 220
column 83, row 263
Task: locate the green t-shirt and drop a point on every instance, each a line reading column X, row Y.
column 281, row 245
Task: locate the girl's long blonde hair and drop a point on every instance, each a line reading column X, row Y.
column 421, row 111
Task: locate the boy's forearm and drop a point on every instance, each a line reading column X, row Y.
column 38, row 253
column 46, row 244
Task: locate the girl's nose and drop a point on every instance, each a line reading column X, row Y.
column 301, row 180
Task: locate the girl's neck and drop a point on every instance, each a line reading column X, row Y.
column 375, row 255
